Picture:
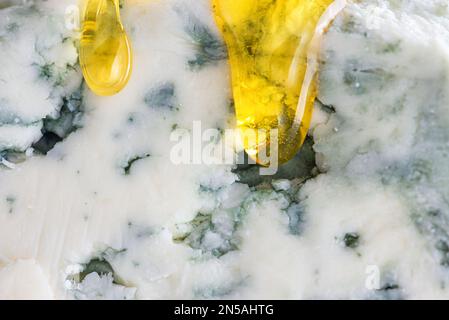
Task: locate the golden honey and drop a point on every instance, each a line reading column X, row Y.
column 273, row 84
column 105, row 50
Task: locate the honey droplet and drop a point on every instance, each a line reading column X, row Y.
column 105, row 50
column 273, row 49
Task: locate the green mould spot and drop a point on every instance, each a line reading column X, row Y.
column 12, row 156
column 209, row 48
column 10, row 200
column 231, row 106
column 162, row 97
column 140, row 231
column 392, row 47
column 443, row 248
column 100, row 266
column 220, row 291
column 351, row 240
column 12, row 27
column 295, row 213
column 131, row 119
column 302, row 167
column 46, row 71
column 390, row 286
column 207, row 189
column 330, row 109
column 348, row 25
column 127, row 169
column 389, row 289
column 68, row 121
column 360, row 80
column 205, row 235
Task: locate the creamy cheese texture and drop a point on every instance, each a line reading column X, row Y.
column 92, row 205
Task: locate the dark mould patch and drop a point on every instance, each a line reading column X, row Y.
column 301, row 167
column 10, row 201
column 351, row 240
column 162, row 97
column 209, row 47
column 57, row 129
column 128, row 167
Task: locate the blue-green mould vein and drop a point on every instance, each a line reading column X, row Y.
column 209, row 48
column 128, row 164
column 68, row 120
column 162, row 97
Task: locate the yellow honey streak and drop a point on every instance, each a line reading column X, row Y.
column 105, row 50
column 268, row 43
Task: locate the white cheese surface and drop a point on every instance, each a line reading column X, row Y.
column 106, row 213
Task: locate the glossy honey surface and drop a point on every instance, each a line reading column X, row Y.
column 268, row 43
column 105, row 50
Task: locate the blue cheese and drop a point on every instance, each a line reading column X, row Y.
column 39, row 71
column 93, row 206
